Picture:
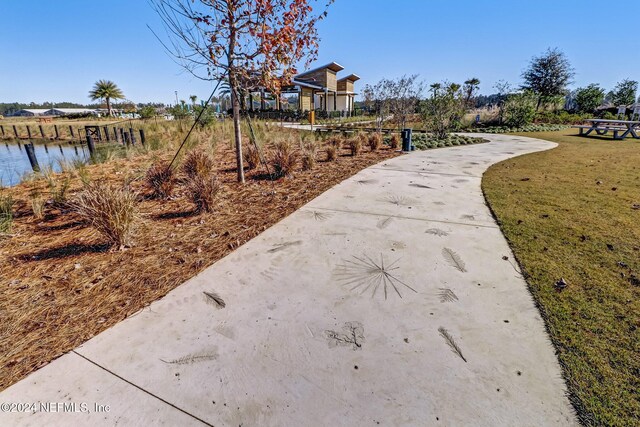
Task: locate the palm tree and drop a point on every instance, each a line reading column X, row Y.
column 193, row 99
column 107, row 90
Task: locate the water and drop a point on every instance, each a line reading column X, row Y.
column 14, row 163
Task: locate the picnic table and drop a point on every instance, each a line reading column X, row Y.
column 620, row 128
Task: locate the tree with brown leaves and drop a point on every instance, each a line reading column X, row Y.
column 250, row 43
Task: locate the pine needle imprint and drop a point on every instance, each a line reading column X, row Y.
column 454, row 259
column 353, row 336
column 437, row 232
column 447, row 295
column 214, row 299
column 469, row 217
column 397, row 200
column 285, row 245
column 366, row 181
column 420, row 186
column 319, row 216
column 384, row 223
column 451, row 342
column 364, row 274
column 192, row 358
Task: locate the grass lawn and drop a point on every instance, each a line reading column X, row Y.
column 574, row 213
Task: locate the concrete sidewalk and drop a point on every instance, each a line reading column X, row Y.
column 385, row 301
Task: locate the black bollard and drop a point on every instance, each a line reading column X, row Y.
column 126, row 138
column 71, row 132
column 142, row 138
column 92, row 147
column 115, row 134
column 31, row 154
column 2, row 129
column 122, row 137
column 132, row 136
column 55, row 128
column 41, row 132
column 15, row 132
column 29, row 131
column 106, row 134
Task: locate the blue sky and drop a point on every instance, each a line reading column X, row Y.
column 55, row 50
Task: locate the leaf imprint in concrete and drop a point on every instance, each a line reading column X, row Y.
column 366, row 181
column 420, row 186
column 193, row 358
column 384, row 223
column 363, row 274
column 437, row 232
column 454, row 259
column 447, row 295
column 285, row 245
column 451, row 342
column 352, row 335
column 214, row 299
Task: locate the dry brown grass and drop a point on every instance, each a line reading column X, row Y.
column 309, row 153
column 161, row 179
column 375, row 141
column 202, row 191
column 394, row 142
column 63, row 287
column 332, row 153
column 197, row 163
column 285, row 157
column 251, row 155
column 109, row 210
column 355, row 145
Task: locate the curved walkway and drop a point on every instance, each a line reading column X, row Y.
column 385, row 301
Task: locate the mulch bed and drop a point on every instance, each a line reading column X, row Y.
column 61, row 285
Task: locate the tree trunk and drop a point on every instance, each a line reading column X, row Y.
column 109, row 106
column 237, row 135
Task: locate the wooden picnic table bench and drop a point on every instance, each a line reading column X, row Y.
column 620, row 128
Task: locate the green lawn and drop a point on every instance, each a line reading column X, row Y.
column 574, row 213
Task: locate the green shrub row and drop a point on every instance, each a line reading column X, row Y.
column 539, row 127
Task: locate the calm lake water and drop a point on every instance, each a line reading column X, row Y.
column 14, row 162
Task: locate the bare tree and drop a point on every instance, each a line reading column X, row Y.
column 247, row 42
column 398, row 98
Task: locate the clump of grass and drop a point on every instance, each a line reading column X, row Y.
column 309, row 153
column 394, row 142
column 355, row 145
column 375, row 141
column 332, row 153
column 202, row 190
column 58, row 187
column 6, row 214
column 285, row 158
column 251, row 155
column 111, row 211
column 37, row 204
column 197, row 163
column 161, row 179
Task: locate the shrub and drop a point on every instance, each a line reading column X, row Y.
column 375, row 141
column 111, row 211
column 355, row 145
column 395, row 141
column 161, row 179
column 285, row 158
column 197, row 163
column 251, row 155
column 332, row 153
column 202, row 191
column 6, row 214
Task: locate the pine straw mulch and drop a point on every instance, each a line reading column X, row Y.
column 61, row 285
